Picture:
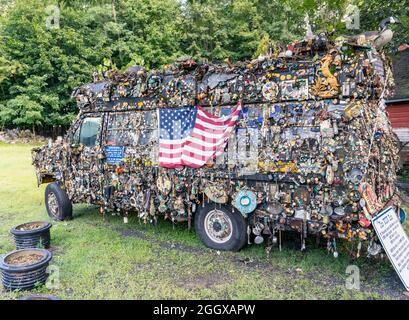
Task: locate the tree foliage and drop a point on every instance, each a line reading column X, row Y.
column 40, row 65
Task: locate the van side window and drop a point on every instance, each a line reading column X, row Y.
column 131, row 128
column 89, row 133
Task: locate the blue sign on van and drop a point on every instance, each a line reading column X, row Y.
column 114, row 154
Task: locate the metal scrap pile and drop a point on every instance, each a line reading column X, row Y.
column 325, row 160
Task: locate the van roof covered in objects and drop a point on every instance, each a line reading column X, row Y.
column 317, row 68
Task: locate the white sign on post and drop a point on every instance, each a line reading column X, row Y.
column 395, row 242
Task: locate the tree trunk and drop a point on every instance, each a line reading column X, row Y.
column 113, row 11
column 34, row 130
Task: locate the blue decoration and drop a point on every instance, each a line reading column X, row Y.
column 276, row 113
column 402, row 215
column 114, row 154
column 245, row 201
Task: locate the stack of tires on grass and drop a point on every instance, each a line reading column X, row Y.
column 25, row 268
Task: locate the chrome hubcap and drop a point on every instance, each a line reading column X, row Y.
column 53, row 204
column 218, row 226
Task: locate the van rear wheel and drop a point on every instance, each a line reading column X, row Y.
column 58, row 204
column 220, row 228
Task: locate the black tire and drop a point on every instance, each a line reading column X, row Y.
column 25, row 239
column 63, row 203
column 24, row 277
column 238, row 232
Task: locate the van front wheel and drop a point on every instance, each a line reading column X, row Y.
column 58, row 204
column 221, row 229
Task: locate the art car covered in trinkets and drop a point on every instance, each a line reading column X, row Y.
column 294, row 141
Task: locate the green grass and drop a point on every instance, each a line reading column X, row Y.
column 105, row 259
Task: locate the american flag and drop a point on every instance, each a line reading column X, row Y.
column 191, row 136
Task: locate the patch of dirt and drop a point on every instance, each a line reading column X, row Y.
column 133, row 233
column 23, row 259
column 249, row 263
column 201, row 281
column 390, row 285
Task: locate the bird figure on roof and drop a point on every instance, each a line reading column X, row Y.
column 378, row 38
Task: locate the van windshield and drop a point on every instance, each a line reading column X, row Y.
column 90, row 131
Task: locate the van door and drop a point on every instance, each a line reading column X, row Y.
column 130, row 144
column 86, row 168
